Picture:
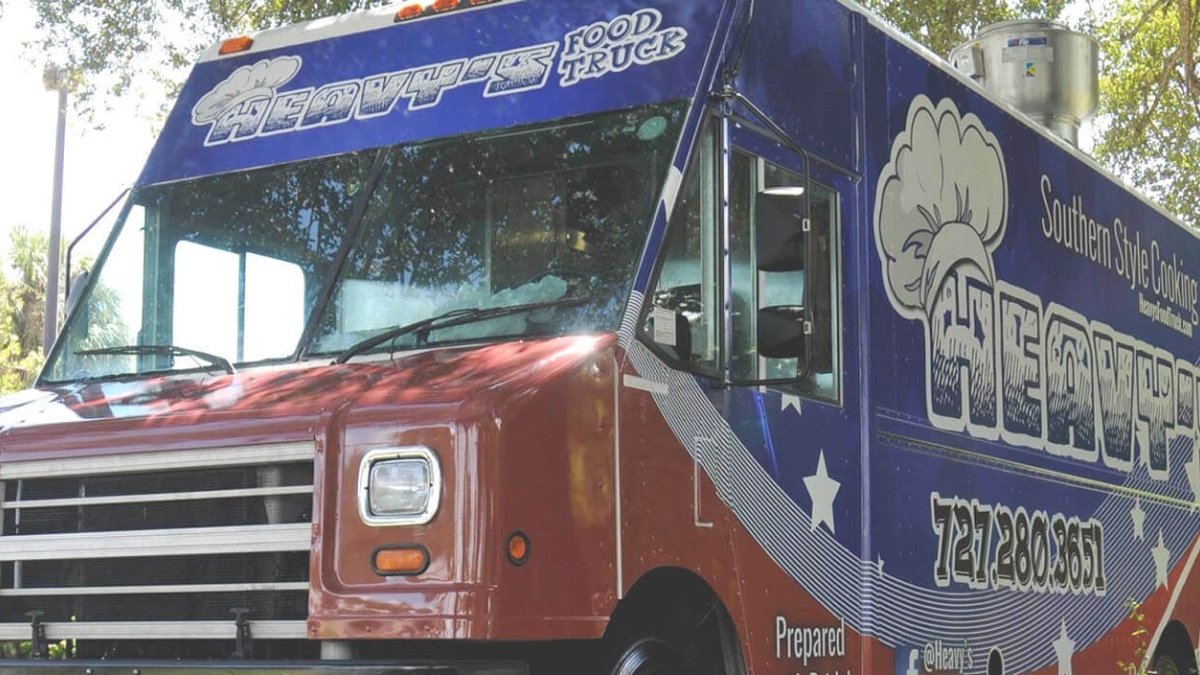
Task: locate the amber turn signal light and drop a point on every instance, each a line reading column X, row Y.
column 400, row 561
column 235, row 45
column 518, row 548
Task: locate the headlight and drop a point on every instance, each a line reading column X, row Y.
column 399, row 486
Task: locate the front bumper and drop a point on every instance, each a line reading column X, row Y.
column 263, row 668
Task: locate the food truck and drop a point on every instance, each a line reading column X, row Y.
column 646, row 336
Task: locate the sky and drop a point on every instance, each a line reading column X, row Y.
column 98, row 163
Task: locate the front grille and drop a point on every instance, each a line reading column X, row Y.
column 160, row 546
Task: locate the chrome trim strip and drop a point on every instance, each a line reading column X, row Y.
column 158, row 497
column 149, row 590
column 149, row 543
column 158, row 630
column 164, row 460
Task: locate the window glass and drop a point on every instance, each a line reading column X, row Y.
column 206, row 283
column 683, row 319
column 781, row 288
column 250, row 305
column 112, row 312
column 787, row 288
column 744, row 183
column 273, row 312
column 526, row 216
column 754, row 289
column 227, row 264
column 236, row 264
column 824, row 359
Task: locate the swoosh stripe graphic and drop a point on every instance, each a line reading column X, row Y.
column 898, row 612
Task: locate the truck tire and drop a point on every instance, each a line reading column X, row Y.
column 680, row 647
column 1165, row 664
column 650, row 656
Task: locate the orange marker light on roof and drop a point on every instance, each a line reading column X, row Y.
column 235, row 45
column 410, row 11
column 445, row 5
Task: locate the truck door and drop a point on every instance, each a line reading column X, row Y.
column 742, row 347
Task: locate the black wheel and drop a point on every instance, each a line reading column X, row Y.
column 650, row 656
column 681, row 643
column 1165, row 664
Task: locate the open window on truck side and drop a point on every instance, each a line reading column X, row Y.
column 781, row 280
column 683, row 307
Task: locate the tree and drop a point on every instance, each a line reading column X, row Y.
column 1150, row 103
column 106, row 42
column 1149, row 119
column 23, row 306
column 942, row 25
column 23, row 293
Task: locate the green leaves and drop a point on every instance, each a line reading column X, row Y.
column 942, row 25
column 1148, row 128
column 115, row 44
column 22, row 306
column 1150, row 104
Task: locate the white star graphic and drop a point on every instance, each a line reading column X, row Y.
column 822, row 489
column 1064, row 649
column 790, row 401
column 1192, row 469
column 1139, row 520
column 1162, row 558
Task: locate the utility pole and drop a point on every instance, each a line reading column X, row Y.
column 55, row 79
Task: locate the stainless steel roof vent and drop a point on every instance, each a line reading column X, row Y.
column 1046, row 70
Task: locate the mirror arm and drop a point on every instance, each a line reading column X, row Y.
column 731, row 94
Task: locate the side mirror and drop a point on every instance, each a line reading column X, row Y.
column 781, row 332
column 75, row 292
column 781, row 229
column 677, row 305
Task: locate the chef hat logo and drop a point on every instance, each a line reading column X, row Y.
column 942, row 202
column 259, row 80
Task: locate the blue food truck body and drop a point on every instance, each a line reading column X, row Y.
column 901, row 382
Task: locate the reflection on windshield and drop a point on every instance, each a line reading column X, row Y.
column 237, row 265
column 230, row 265
column 504, row 220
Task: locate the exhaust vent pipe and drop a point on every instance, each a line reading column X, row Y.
column 1043, row 68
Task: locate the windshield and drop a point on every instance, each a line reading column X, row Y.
column 244, row 266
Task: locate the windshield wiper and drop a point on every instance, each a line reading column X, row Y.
column 457, row 317
column 161, row 350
